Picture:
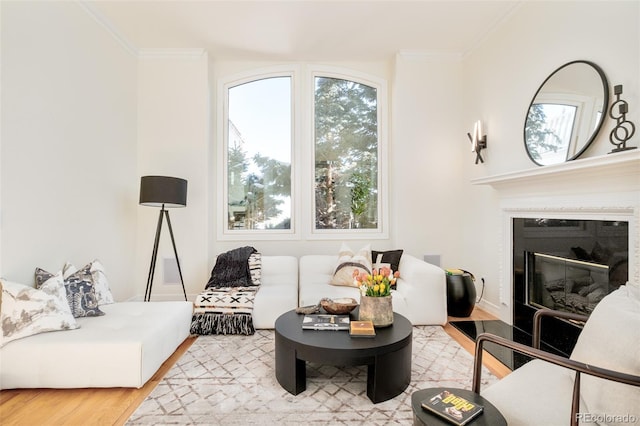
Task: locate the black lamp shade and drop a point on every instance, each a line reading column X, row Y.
column 158, row 191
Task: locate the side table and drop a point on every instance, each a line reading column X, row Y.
column 461, row 294
column 490, row 415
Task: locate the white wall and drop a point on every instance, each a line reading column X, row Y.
column 173, row 140
column 502, row 75
column 68, row 144
column 83, row 120
column 427, row 156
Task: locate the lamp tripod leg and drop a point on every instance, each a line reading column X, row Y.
column 154, row 256
column 175, row 251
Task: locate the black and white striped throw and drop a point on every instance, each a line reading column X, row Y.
column 226, row 304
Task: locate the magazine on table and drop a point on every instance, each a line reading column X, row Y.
column 325, row 322
column 452, row 407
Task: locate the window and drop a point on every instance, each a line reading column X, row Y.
column 346, row 154
column 337, row 119
column 259, row 155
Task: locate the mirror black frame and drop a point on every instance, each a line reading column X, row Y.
column 598, row 127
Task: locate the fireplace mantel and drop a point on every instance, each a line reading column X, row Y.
column 619, row 172
column 602, row 188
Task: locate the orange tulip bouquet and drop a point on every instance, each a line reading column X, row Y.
column 377, row 284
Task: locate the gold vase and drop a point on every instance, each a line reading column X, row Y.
column 378, row 310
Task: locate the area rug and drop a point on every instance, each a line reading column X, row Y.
column 230, row 380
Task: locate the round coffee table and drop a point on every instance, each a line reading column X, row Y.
column 490, row 415
column 387, row 355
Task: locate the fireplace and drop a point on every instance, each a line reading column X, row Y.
column 602, row 190
column 567, row 265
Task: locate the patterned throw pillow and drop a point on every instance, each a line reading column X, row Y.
column 27, row 311
column 255, row 268
column 101, row 284
column 81, row 294
column 52, row 284
column 348, row 262
column 79, row 286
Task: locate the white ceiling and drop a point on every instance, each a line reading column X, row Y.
column 336, row 30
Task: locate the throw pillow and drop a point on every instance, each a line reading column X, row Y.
column 81, row 294
column 27, row 311
column 255, row 268
column 52, row 284
column 101, row 284
column 79, row 286
column 391, row 257
column 103, row 290
column 348, row 261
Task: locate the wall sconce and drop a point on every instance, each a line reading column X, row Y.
column 624, row 129
column 478, row 141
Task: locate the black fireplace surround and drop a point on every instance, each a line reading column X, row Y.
column 567, row 265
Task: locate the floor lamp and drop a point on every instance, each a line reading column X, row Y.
column 164, row 192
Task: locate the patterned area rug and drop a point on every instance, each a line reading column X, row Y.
column 230, row 380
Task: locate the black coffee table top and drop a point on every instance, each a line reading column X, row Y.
column 289, row 325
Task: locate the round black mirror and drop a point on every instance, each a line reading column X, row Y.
column 566, row 113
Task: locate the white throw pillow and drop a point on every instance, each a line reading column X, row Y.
column 103, row 291
column 348, row 262
column 53, row 285
column 27, row 311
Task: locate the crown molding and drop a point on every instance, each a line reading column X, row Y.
column 492, row 27
column 104, row 23
column 186, row 53
column 429, row 54
column 90, row 9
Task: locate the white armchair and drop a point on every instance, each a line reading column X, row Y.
column 598, row 384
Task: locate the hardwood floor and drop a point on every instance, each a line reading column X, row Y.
column 113, row 406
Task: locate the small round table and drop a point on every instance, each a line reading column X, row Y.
column 461, row 295
column 490, row 415
column 387, row 355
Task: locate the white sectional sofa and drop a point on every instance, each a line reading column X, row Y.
column 421, row 294
column 122, row 348
column 278, row 291
column 288, row 283
column 127, row 345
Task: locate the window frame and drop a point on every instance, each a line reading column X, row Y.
column 381, row 232
column 302, row 154
column 222, row 159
